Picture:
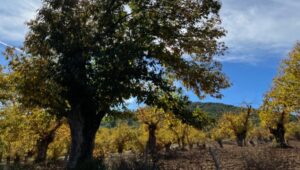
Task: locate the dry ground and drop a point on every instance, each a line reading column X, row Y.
column 231, row 157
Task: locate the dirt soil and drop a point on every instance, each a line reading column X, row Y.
column 232, row 157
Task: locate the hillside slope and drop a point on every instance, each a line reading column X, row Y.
column 215, row 109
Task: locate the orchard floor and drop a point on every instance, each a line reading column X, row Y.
column 231, row 157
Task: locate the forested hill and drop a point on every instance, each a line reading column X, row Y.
column 215, row 109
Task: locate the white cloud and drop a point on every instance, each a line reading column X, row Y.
column 238, row 59
column 14, row 14
column 10, row 46
column 272, row 26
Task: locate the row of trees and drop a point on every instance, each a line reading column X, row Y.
column 35, row 135
column 157, row 130
column 245, row 129
column 281, row 103
column 38, row 135
column 31, row 132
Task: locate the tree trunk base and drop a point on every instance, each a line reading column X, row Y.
column 83, row 126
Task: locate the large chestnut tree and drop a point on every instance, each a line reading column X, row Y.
column 102, row 52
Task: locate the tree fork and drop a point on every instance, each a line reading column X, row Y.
column 279, row 132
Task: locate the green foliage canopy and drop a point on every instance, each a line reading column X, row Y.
column 108, row 51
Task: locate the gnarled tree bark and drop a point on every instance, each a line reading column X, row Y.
column 151, row 143
column 241, row 139
column 279, row 132
column 84, row 126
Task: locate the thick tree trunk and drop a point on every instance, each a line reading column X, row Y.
column 279, row 132
column 120, row 148
column 1, row 156
column 151, row 143
column 279, row 135
column 241, row 139
column 84, row 126
column 168, row 147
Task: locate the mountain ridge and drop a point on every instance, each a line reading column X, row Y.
column 216, row 110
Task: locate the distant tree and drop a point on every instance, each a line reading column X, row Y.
column 179, row 130
column 17, row 139
column 260, row 135
column 35, row 97
column 44, row 125
column 238, row 124
column 121, row 136
column 293, row 131
column 151, row 117
column 104, row 52
column 218, row 134
column 275, row 120
column 61, row 143
column 103, row 142
column 195, row 136
column 286, row 85
column 142, row 139
column 165, row 136
column 28, row 131
column 284, row 97
column 185, row 132
column 117, row 140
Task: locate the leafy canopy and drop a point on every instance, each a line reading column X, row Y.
column 102, row 52
column 284, row 97
column 285, row 92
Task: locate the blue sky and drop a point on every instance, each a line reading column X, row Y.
column 260, row 34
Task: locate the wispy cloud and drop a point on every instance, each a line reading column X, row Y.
column 269, row 26
column 7, row 45
column 14, row 14
column 238, row 59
